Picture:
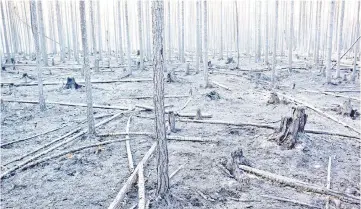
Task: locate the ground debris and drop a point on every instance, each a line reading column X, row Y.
column 71, row 84
column 213, row 95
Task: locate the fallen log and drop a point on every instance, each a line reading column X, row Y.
column 127, row 145
column 116, row 203
column 31, row 137
column 83, row 82
column 300, row 184
column 21, row 165
column 266, row 126
column 357, row 91
column 71, row 151
column 320, row 112
column 221, row 85
column 328, row 93
column 169, row 137
column 141, row 188
column 68, row 104
column 150, row 97
column 291, row 201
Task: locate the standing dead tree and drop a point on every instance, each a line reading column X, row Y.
column 275, row 45
column 86, row 67
column 34, row 27
column 5, row 31
column 205, row 38
column 329, row 43
column 158, row 60
column 60, row 31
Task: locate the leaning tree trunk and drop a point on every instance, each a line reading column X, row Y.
column 60, row 32
column 339, row 48
column 354, row 72
column 290, row 127
column 120, row 35
column 158, row 99
column 290, row 42
column 129, row 71
column 329, row 43
column 5, row 31
column 42, row 33
column 141, row 49
column 205, row 38
column 34, row 27
column 89, row 98
column 275, row 45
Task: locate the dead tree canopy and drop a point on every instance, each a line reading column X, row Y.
column 290, row 127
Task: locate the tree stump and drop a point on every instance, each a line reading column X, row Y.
column 52, row 62
column 232, row 165
column 171, row 122
column 71, row 84
column 171, row 77
column 186, row 69
column 198, row 114
column 273, row 99
column 290, row 127
column 96, row 65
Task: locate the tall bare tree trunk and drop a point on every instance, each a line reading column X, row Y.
column 329, row 43
column 318, row 34
column 5, row 31
column 158, row 99
column 290, row 42
column 198, row 33
column 75, row 33
column 182, row 32
column 99, row 32
column 169, row 34
column 339, row 48
column 147, row 28
column 357, row 46
column 259, row 32
column 141, row 49
column 129, row 71
column 205, row 39
column 221, row 32
column 267, row 45
column 274, row 54
column 235, row 2
column 34, row 27
column 60, row 32
column 52, row 26
column 42, row 33
column 93, row 49
column 88, row 85
column 120, row 35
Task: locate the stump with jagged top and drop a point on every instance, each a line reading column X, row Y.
column 290, row 127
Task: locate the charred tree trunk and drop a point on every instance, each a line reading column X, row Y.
column 158, row 60
column 290, row 127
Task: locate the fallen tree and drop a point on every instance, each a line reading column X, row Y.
column 300, row 184
column 329, row 93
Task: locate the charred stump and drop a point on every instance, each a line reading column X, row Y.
column 290, row 127
column 232, row 165
column 71, row 84
column 273, row 99
column 198, row 114
column 171, row 122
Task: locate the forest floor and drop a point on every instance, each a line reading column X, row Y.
column 91, row 178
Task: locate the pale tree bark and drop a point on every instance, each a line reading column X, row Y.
column 5, row 31
column 179, row 30
column 221, row 32
column 27, row 29
column 235, row 2
column 198, row 33
column 35, row 30
column 249, row 29
column 339, row 48
column 275, row 45
column 67, row 29
column 120, row 34
column 128, row 38
column 169, row 34
column 158, row 99
column 75, row 34
column 147, row 28
column 311, row 31
column 318, row 34
column 329, row 43
column 92, row 26
column 267, row 45
column 60, row 32
column 42, row 33
column 99, row 33
column 182, row 33
column 290, row 40
column 259, row 32
column 53, row 26
column 86, row 67
column 357, row 45
column 205, row 39
column 13, row 30
column 140, row 28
